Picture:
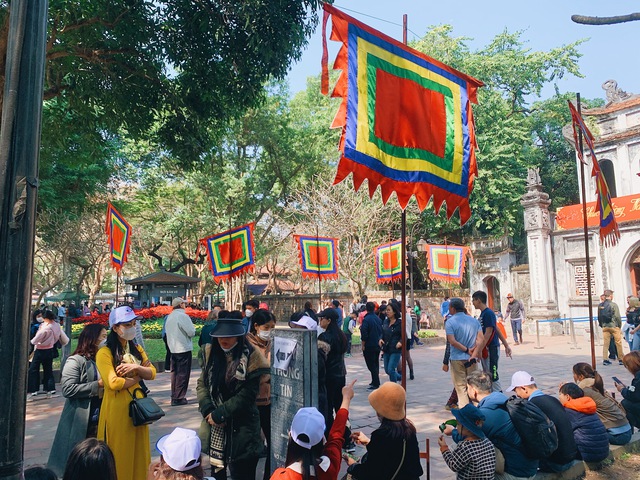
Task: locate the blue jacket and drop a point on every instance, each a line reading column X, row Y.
column 371, row 331
column 500, row 430
column 591, row 436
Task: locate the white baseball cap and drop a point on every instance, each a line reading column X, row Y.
column 180, row 449
column 310, row 422
column 306, row 322
column 122, row 314
column 520, row 379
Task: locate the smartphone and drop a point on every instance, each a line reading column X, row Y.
column 617, row 380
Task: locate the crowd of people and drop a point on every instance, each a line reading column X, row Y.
column 109, row 366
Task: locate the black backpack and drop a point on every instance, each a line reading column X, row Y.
column 605, row 313
column 537, row 431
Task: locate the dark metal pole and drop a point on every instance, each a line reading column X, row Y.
column 585, row 226
column 318, row 267
column 19, row 154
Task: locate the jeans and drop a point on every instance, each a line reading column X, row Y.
column 635, row 341
column 621, row 438
column 548, row 466
column 390, row 363
column 516, row 326
column 265, row 425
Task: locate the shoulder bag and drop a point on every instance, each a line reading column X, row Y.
column 143, row 410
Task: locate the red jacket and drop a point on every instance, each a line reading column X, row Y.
column 332, row 450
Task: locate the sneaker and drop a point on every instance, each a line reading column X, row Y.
column 620, row 362
column 373, row 387
column 606, row 362
column 32, row 396
column 347, row 354
column 176, row 403
column 52, row 394
column 350, row 447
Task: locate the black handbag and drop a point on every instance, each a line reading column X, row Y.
column 143, row 410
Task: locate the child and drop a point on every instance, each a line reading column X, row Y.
column 308, row 457
column 588, row 430
column 474, row 456
column 347, row 328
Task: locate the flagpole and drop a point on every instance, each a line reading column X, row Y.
column 318, row 269
column 403, row 255
column 585, row 223
column 117, row 287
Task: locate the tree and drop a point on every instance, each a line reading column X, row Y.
column 173, row 70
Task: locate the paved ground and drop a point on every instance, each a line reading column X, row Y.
column 426, row 395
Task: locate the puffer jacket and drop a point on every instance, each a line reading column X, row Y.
column 588, row 430
column 503, row 434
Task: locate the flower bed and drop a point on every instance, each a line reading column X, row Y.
column 151, row 324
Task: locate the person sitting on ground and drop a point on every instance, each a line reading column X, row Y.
column 308, row 456
column 608, row 409
column 474, row 457
column 90, row 459
column 524, row 386
column 392, row 450
column 631, row 394
column 499, row 429
column 588, row 430
column 180, row 457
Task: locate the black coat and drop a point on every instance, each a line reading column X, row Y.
column 567, row 450
column 383, row 458
column 392, row 335
column 371, row 332
column 335, row 367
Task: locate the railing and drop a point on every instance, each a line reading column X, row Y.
column 568, row 324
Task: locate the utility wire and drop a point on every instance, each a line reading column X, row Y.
column 377, row 18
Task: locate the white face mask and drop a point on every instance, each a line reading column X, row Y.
column 39, row 319
column 248, row 313
column 264, row 334
column 128, row 333
column 102, row 343
column 227, row 350
column 320, row 330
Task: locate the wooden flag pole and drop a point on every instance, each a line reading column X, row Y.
column 403, row 255
column 585, row 228
column 117, row 288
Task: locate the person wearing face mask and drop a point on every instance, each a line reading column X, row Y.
column 83, row 388
column 45, row 351
column 121, row 365
column 227, row 390
column 179, row 330
column 262, row 322
column 250, row 307
column 36, row 320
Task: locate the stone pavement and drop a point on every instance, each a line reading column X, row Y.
column 426, row 395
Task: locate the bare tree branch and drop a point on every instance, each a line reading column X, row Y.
column 587, row 20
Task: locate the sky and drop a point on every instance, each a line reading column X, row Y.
column 611, row 51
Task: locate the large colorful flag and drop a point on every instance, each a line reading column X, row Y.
column 447, row 262
column 388, row 261
column 118, row 233
column 230, row 253
column 406, row 119
column 609, row 233
column 318, row 256
column 577, row 122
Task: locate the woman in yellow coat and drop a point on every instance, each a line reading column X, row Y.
column 122, row 364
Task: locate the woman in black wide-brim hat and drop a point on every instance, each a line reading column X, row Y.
column 227, row 391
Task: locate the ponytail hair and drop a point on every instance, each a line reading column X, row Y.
column 585, row 370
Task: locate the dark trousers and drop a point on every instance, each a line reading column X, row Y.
column 334, row 399
column 44, row 358
column 242, row 470
column 348, row 343
column 265, row 425
column 180, row 375
column 167, row 356
column 372, row 359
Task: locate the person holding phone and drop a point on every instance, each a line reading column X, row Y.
column 631, row 394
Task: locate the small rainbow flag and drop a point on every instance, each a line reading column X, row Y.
column 388, row 261
column 118, row 233
column 230, row 253
column 318, row 256
column 446, row 263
